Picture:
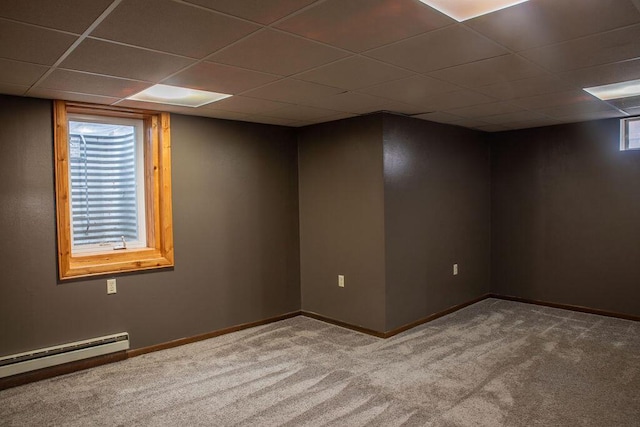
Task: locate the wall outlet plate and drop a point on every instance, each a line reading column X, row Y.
column 455, row 269
column 341, row 280
column 111, row 286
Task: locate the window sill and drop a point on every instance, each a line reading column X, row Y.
column 118, row 262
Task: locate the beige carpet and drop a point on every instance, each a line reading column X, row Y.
column 495, row 363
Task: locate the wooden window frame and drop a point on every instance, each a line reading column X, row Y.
column 157, row 177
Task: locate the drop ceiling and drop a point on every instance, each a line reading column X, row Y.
column 300, row 62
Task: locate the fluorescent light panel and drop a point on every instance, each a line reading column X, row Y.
column 461, row 10
column 615, row 90
column 174, row 95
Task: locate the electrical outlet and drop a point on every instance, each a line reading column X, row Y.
column 341, row 280
column 455, row 269
column 111, row 286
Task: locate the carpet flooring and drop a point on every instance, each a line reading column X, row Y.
column 495, row 363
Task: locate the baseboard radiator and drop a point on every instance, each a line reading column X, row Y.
column 71, row 352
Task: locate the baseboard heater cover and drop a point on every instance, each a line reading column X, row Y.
column 65, row 353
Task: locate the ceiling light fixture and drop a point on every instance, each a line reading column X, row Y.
column 461, row 10
column 174, row 95
column 615, row 90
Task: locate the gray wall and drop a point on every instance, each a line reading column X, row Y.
column 342, row 220
column 235, row 233
column 387, row 201
column 437, row 213
column 565, row 223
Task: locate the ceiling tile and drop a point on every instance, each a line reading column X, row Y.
column 9, row 89
column 525, row 87
column 603, row 74
column 92, row 84
column 219, row 114
column 413, row 90
column 400, row 107
column 219, row 78
column 489, row 71
column 359, row 25
column 172, row 27
column 20, row 73
column 520, row 116
column 446, row 47
column 275, row 52
column 264, row 12
column 578, row 108
column 272, row 120
column 333, row 118
column 349, row 102
column 292, row 91
column 246, row 105
column 470, row 123
column 534, row 123
column 69, row 15
column 603, row 48
column 354, row 73
column 439, row 117
column 554, row 99
column 27, row 43
column 594, row 115
column 635, row 111
column 301, row 113
column 113, row 59
column 492, row 128
column 483, row 110
column 71, row 96
column 450, row 100
column 450, row 119
column 543, row 22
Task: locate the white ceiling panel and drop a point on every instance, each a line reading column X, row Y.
column 603, row 74
column 603, row 48
column 276, row 52
column 29, row 43
column 489, row 71
column 453, row 45
column 20, row 73
column 484, row 110
column 92, row 84
column 219, row 78
column 301, row 113
column 349, row 102
column 413, row 90
column 359, row 25
column 244, row 104
column 9, row 89
column 298, row 62
column 355, row 72
column 117, row 60
column 522, row 88
column 264, row 12
column 68, row 15
column 292, row 91
column 543, row 22
column 192, row 32
column 554, row 99
column 71, row 96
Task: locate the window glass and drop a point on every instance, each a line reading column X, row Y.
column 633, row 134
column 107, row 189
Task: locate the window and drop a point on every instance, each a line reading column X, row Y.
column 630, row 134
column 113, row 190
